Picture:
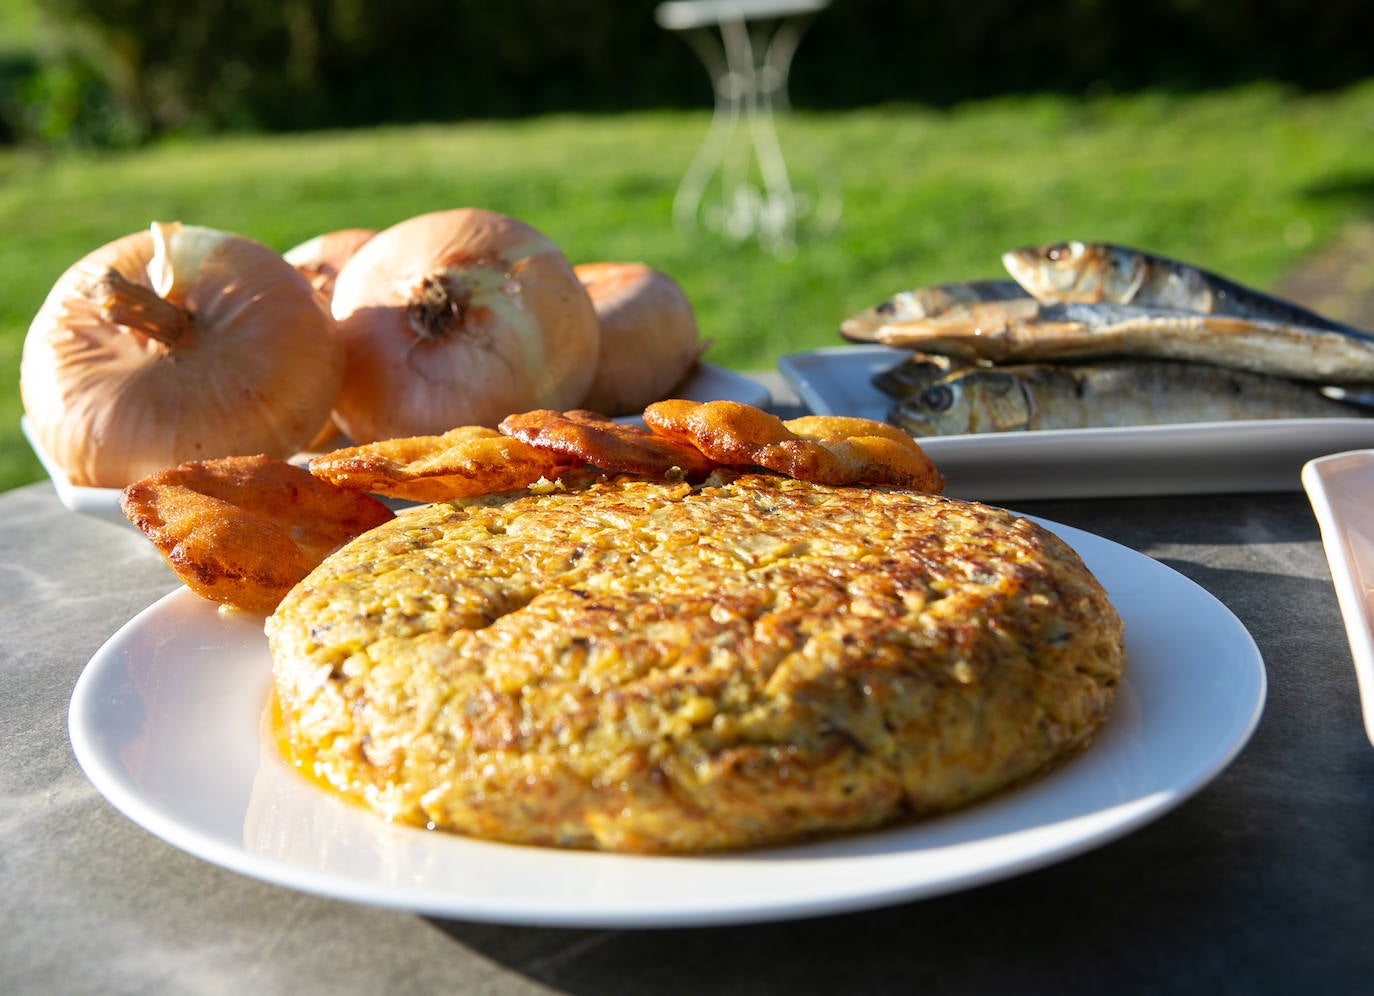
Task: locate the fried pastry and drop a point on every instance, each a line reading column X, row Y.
column 469, row 460
column 870, row 452
column 822, row 450
column 609, row 445
column 243, row 530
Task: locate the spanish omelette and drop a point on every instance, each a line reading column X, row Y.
column 659, row 666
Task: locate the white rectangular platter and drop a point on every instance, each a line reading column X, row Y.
column 1263, row 455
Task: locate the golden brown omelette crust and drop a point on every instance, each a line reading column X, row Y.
column 650, row 666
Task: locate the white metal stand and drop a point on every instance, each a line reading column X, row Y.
column 749, row 69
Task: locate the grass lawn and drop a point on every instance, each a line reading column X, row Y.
column 1247, row 182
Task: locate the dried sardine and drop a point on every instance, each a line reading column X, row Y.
column 956, row 301
column 1099, row 272
column 1088, row 395
column 1079, row 331
column 917, row 372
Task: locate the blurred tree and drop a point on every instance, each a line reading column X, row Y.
column 130, row 68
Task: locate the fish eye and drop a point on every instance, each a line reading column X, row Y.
column 886, row 307
column 938, row 398
column 1060, row 252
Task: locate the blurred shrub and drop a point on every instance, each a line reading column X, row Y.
column 132, row 68
column 64, row 101
column 943, row 51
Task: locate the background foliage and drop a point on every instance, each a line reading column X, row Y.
column 113, row 72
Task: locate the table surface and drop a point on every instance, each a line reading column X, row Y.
column 1262, row 882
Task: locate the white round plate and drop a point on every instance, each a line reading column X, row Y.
column 166, row 721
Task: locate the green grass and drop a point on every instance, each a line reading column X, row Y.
column 1247, row 182
column 18, row 25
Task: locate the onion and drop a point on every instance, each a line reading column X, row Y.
column 459, row 317
column 179, row 343
column 649, row 338
column 320, row 259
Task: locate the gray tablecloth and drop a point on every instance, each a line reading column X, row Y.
column 1263, row 882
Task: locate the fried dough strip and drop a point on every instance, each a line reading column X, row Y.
column 467, row 461
column 606, row 444
column 874, row 452
column 834, row 450
column 245, row 530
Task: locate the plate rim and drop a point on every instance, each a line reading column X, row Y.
column 201, row 843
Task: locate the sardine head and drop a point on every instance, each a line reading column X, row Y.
column 1086, row 272
column 904, row 306
column 914, row 374
column 971, row 401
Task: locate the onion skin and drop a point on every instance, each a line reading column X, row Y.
column 649, row 337
column 255, row 370
column 320, row 259
column 459, row 317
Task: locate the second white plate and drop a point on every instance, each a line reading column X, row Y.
column 166, row 722
column 1196, row 458
column 1341, row 489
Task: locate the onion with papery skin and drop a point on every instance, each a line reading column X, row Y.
column 455, row 318
column 649, row 338
column 179, row 343
column 320, row 259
